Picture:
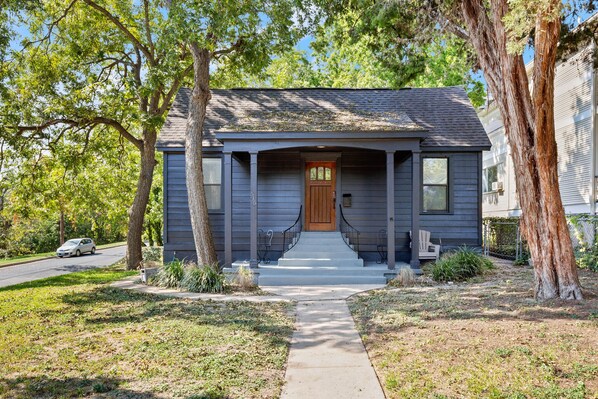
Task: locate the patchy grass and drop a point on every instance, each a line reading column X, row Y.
column 74, row 336
column 34, row 257
column 484, row 339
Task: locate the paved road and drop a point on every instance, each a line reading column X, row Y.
column 55, row 267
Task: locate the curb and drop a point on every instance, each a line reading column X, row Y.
column 49, row 257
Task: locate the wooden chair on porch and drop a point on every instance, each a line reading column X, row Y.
column 427, row 250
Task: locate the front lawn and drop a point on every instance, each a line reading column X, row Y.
column 74, row 336
column 482, row 339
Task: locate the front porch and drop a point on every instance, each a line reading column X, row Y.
column 377, row 184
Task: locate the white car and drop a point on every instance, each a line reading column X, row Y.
column 76, row 247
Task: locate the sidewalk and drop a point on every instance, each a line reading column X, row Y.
column 327, row 357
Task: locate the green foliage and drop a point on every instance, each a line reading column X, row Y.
column 207, row 278
column 152, row 254
column 501, row 237
column 154, row 213
column 170, row 275
column 587, row 257
column 405, row 43
column 92, row 191
column 342, row 59
column 460, row 265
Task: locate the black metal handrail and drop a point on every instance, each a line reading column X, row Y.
column 349, row 233
column 291, row 235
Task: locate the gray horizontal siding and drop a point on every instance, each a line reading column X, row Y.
column 178, row 235
column 279, row 199
column 362, row 174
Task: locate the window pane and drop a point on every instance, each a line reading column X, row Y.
column 213, row 197
column 435, row 171
column 320, row 173
column 312, row 173
column 490, row 176
column 328, row 174
column 435, row 198
column 211, row 171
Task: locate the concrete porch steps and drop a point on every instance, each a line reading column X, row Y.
column 321, row 258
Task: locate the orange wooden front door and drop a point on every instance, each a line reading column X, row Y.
column 320, row 196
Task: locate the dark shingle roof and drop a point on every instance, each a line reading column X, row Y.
column 445, row 113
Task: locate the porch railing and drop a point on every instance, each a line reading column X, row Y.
column 349, row 233
column 291, row 235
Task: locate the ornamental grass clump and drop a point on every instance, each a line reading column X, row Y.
column 207, row 278
column 244, row 279
column 460, row 265
column 170, row 275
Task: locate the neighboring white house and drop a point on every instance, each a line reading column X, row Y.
column 575, row 123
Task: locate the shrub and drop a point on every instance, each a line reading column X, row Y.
column 152, row 254
column 404, row 278
column 587, row 258
column 170, row 275
column 244, row 278
column 207, row 278
column 460, row 265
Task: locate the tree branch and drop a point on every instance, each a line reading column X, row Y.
column 235, row 46
column 176, row 85
column 136, row 43
column 84, row 123
column 148, row 32
column 52, row 25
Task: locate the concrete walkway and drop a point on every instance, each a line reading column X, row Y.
column 327, row 357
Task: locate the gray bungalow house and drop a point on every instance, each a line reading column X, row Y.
column 329, row 178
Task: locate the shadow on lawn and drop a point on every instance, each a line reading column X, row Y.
column 30, row 387
column 118, row 306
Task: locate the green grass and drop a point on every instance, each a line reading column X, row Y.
column 75, row 336
column 34, row 257
column 481, row 339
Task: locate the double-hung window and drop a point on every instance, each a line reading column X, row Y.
column 212, row 181
column 490, row 175
column 435, row 187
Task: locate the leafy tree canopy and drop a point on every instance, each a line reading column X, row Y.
column 344, row 54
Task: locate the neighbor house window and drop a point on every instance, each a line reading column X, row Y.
column 435, row 193
column 212, row 181
column 489, row 176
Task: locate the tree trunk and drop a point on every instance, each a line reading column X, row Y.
column 137, row 209
column 529, row 127
column 61, row 227
column 198, row 206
